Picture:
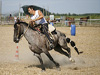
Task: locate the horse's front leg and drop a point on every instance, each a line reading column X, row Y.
column 41, row 61
column 50, row 57
column 38, row 56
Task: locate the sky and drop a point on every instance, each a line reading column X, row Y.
column 54, row 6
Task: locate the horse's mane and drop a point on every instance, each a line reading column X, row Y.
column 24, row 23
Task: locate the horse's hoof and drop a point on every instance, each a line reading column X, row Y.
column 58, row 69
column 43, row 70
column 72, row 60
column 81, row 52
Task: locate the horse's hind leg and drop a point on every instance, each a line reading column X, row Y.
column 59, row 49
column 41, row 61
column 68, row 50
column 50, row 57
column 63, row 44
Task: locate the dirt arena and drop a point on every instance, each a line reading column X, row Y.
column 87, row 40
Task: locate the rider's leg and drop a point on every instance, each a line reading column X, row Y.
column 45, row 31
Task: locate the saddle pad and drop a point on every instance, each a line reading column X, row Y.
column 51, row 28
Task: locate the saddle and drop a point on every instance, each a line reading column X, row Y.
column 51, row 29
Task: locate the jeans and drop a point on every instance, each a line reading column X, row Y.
column 45, row 31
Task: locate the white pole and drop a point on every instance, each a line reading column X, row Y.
column 1, row 11
column 43, row 10
column 90, row 19
column 48, row 10
column 17, row 53
column 19, row 10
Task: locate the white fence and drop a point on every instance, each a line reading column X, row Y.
column 89, row 22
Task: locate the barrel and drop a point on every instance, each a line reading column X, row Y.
column 73, row 30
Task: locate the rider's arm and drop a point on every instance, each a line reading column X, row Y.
column 40, row 16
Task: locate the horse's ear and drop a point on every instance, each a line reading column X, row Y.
column 18, row 20
column 18, row 25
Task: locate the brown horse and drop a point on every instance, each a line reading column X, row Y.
column 84, row 19
column 71, row 20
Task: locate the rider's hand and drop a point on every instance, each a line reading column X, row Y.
column 33, row 20
column 30, row 22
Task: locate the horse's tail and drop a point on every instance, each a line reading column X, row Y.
column 72, row 43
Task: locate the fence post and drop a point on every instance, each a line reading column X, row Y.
column 90, row 19
column 0, row 11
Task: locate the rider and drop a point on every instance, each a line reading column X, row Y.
column 38, row 18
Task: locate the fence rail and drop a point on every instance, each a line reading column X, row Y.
column 90, row 22
column 89, row 19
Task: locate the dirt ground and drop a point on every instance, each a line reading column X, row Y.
column 87, row 39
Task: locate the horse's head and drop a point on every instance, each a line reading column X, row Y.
column 17, row 32
column 88, row 17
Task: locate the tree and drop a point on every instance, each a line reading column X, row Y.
column 69, row 14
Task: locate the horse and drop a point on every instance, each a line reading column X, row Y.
column 84, row 19
column 9, row 19
column 38, row 43
column 72, row 20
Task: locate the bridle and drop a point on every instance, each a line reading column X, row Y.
column 19, row 31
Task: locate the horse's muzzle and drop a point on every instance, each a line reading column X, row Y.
column 16, row 40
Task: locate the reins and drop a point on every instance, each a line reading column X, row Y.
column 24, row 33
